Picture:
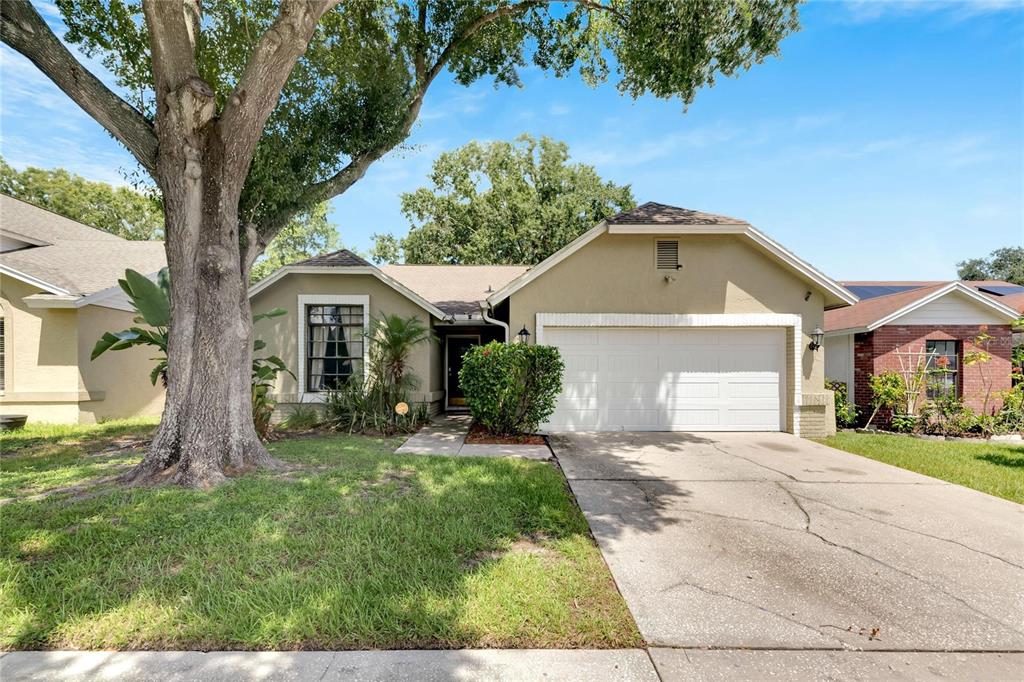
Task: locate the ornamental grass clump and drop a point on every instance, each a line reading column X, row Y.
column 511, row 389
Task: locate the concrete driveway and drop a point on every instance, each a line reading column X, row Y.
column 771, row 541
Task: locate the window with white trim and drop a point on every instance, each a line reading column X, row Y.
column 943, row 368
column 666, row 254
column 334, row 346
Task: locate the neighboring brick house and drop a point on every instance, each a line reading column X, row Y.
column 942, row 319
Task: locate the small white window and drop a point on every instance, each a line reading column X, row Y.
column 666, row 254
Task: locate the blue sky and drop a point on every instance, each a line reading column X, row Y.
column 887, row 141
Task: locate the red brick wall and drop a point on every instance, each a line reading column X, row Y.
column 873, row 353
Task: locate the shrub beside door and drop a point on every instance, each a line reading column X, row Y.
column 511, row 389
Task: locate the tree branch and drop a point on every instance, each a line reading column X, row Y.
column 172, row 26
column 357, row 167
column 24, row 30
column 268, row 69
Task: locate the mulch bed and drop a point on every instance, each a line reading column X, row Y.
column 479, row 435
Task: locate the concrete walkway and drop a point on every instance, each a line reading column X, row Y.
column 447, row 436
column 624, row 665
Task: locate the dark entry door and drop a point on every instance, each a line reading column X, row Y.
column 457, row 347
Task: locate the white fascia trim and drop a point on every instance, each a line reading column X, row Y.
column 34, row 281
column 786, row 320
column 349, row 270
column 801, row 266
column 327, row 299
column 959, row 287
column 548, row 263
column 844, row 332
column 51, row 301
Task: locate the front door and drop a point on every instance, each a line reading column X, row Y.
column 456, row 348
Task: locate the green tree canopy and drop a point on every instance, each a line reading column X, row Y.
column 1006, row 264
column 118, row 210
column 308, row 234
column 502, row 203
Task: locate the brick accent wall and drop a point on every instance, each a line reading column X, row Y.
column 873, row 353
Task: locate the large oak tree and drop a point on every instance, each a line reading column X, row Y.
column 246, row 113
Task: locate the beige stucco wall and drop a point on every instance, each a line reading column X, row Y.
column 281, row 333
column 720, row 274
column 122, row 377
column 48, row 373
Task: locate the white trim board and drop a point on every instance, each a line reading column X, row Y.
column 790, row 259
column 790, row 321
column 34, row 281
column 349, row 270
column 327, row 299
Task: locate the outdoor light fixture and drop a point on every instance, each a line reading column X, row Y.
column 817, row 336
column 524, row 334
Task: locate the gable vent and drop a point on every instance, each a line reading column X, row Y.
column 667, row 254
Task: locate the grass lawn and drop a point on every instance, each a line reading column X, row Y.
column 993, row 468
column 353, row 548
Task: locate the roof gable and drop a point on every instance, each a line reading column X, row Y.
column 662, row 219
column 65, row 257
column 876, row 312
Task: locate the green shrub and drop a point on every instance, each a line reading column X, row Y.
column 511, row 388
column 359, row 407
column 1011, row 415
column 846, row 412
column 903, row 423
column 888, row 389
column 947, row 415
column 302, row 417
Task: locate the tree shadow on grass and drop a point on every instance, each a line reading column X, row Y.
column 1000, row 459
column 372, row 552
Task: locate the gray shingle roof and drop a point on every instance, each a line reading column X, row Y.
column 455, row 289
column 74, row 257
column 653, row 213
column 23, row 218
column 342, row 258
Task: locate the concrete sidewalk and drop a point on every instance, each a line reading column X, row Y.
column 520, row 665
column 426, row 666
column 447, row 436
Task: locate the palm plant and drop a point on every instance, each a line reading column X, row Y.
column 392, row 340
column 151, row 301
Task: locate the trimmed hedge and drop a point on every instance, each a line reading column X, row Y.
column 511, row 388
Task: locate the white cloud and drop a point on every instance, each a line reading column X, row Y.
column 442, row 105
column 559, row 109
column 863, row 11
column 634, row 154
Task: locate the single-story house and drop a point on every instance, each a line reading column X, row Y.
column 895, row 323
column 668, row 319
column 58, row 294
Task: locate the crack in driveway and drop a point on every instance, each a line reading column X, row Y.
column 807, row 528
column 911, row 530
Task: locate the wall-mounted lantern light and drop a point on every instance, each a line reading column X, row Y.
column 817, row 338
column 524, row 335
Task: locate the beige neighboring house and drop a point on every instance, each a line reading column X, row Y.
column 58, row 294
column 668, row 319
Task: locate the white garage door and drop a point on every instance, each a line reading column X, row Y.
column 669, row 379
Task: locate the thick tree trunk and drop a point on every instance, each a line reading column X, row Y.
column 206, row 432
